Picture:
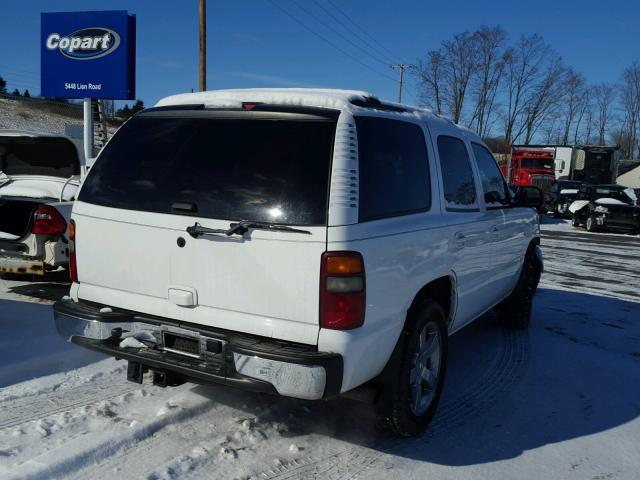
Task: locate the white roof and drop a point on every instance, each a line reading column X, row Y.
column 308, row 97
column 304, row 97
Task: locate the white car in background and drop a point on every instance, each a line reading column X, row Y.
column 39, row 178
column 298, row 242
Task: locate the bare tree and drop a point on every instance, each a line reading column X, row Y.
column 524, row 65
column 544, row 98
column 584, row 117
column 603, row 95
column 444, row 75
column 574, row 101
column 489, row 45
column 459, row 54
column 630, row 100
column 430, row 73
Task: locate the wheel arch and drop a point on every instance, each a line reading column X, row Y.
column 443, row 291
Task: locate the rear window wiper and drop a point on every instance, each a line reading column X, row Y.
column 241, row 228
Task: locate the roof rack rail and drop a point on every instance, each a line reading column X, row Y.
column 376, row 104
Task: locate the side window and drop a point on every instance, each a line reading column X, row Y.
column 457, row 176
column 493, row 184
column 394, row 169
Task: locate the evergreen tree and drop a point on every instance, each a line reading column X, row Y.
column 124, row 112
column 16, row 93
column 127, row 112
column 139, row 105
column 26, row 94
column 3, row 85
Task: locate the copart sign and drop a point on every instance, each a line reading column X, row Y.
column 88, row 54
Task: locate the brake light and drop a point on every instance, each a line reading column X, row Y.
column 342, row 290
column 73, row 267
column 250, row 105
column 48, row 221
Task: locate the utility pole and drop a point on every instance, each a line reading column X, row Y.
column 401, row 67
column 203, row 45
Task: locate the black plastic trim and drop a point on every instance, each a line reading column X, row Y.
column 246, row 344
column 187, row 368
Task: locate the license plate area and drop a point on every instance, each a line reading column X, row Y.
column 182, row 341
column 192, row 344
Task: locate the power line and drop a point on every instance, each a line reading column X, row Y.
column 373, row 48
column 353, row 22
column 9, row 73
column 329, row 42
column 18, row 81
column 337, row 32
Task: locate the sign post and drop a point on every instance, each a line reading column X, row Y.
column 88, row 128
column 88, row 55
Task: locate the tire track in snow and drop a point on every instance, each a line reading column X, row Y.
column 18, row 411
column 507, row 369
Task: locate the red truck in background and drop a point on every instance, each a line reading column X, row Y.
column 529, row 167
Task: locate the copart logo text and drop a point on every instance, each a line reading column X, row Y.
column 85, row 44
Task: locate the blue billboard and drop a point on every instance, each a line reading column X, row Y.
column 88, row 55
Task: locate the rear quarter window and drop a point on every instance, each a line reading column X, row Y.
column 457, row 175
column 393, row 170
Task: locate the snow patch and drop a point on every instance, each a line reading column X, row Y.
column 610, row 201
column 293, row 448
column 132, row 342
column 227, row 453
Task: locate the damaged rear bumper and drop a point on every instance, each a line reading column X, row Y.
column 21, row 265
column 216, row 356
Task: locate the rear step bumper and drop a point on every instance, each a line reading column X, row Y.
column 230, row 358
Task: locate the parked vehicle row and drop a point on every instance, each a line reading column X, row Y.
column 305, row 243
column 606, row 207
column 39, row 178
column 594, row 207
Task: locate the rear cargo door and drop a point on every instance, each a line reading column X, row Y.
column 166, row 171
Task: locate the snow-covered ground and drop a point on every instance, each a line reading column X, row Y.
column 559, row 401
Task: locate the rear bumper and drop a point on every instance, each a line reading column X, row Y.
column 244, row 361
column 619, row 222
column 21, row 265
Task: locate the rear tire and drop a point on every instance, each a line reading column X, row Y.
column 515, row 311
column 574, row 221
column 417, row 384
column 591, row 224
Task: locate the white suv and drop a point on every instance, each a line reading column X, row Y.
column 299, row 242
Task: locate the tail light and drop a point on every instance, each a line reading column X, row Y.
column 73, row 267
column 48, row 221
column 342, row 290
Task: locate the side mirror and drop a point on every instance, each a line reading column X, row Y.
column 527, row 196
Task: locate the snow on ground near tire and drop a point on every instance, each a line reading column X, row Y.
column 558, row 401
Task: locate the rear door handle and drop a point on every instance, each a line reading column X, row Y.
column 460, row 239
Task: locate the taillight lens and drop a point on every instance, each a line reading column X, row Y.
column 73, row 267
column 342, row 290
column 48, row 221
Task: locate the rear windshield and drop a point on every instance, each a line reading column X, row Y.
column 259, row 169
column 56, row 157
